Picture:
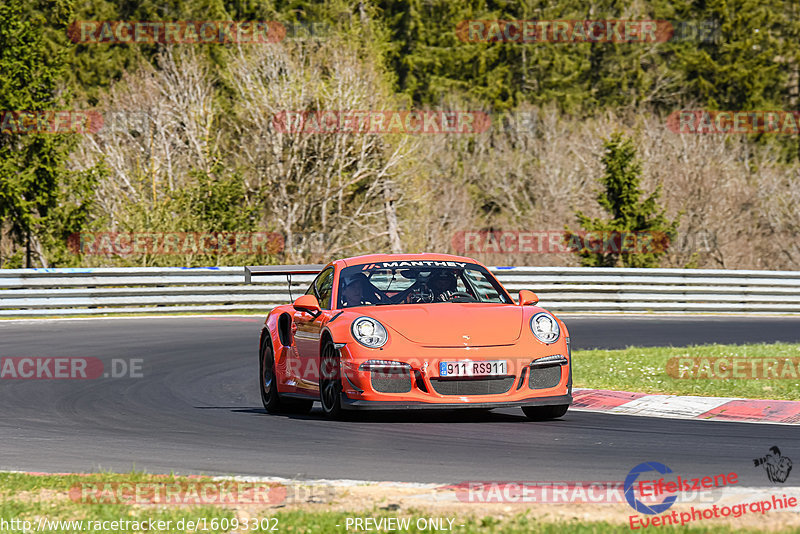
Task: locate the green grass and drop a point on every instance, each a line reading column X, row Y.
column 645, row 370
column 30, row 497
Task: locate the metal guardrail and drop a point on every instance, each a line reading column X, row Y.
column 48, row 292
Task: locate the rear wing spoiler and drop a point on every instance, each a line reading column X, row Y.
column 288, row 270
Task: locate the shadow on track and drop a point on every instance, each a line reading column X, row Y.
column 465, row 415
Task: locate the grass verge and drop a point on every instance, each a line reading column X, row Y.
column 52, row 498
column 645, row 370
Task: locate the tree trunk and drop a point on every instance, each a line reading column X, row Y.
column 391, row 218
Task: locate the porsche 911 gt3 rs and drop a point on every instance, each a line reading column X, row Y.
column 411, row 331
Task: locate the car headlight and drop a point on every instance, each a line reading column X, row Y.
column 369, row 332
column 545, row 327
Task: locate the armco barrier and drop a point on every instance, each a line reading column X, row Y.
column 39, row 292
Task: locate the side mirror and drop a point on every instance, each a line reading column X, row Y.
column 527, row 298
column 307, row 303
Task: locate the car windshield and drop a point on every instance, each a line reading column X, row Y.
column 417, row 282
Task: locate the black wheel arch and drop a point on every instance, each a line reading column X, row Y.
column 264, row 334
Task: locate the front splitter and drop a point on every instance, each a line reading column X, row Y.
column 354, row 404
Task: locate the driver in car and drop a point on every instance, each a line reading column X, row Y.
column 443, row 284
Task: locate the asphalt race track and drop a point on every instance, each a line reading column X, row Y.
column 196, row 409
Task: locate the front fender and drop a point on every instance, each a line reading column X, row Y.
column 338, row 329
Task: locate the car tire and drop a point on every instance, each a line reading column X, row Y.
column 543, row 413
column 272, row 401
column 266, row 377
column 330, row 382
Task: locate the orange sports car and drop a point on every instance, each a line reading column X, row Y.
column 410, row 331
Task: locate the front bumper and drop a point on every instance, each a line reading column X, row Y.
column 353, row 404
column 422, row 387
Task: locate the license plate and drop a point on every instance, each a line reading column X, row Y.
column 470, row 368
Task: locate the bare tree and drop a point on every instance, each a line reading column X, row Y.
column 350, row 192
column 342, row 184
column 158, row 126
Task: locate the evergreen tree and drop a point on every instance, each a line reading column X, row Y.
column 732, row 57
column 629, row 216
column 31, row 164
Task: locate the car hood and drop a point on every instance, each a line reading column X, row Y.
column 451, row 324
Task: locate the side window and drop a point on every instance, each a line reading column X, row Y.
column 486, row 290
column 324, row 285
column 310, row 290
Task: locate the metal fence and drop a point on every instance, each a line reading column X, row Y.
column 47, row 292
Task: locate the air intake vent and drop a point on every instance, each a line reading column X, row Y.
column 544, row 377
column 383, row 382
column 490, row 386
